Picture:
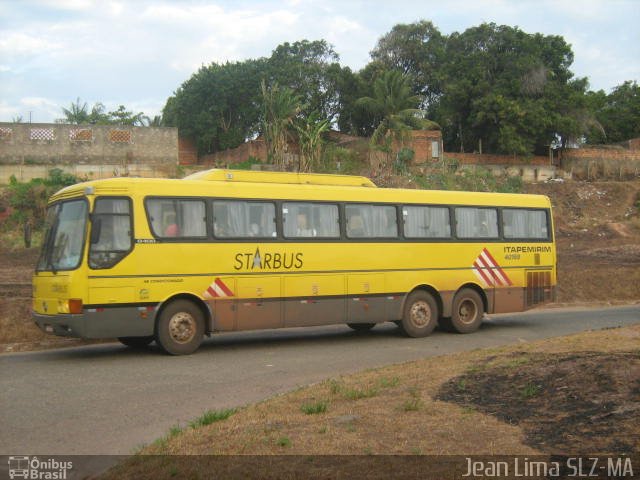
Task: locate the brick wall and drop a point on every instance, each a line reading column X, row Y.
column 609, row 162
column 427, row 145
column 254, row 148
column 187, row 151
column 53, row 143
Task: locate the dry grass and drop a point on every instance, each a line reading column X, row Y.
column 395, row 412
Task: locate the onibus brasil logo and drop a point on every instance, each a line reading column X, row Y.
column 37, row 469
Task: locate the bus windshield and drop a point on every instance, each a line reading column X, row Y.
column 64, row 237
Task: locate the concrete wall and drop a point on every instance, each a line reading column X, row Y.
column 46, row 143
column 24, row 173
column 486, row 159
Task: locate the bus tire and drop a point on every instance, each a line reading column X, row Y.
column 420, row 315
column 180, row 328
column 136, row 342
column 361, row 327
column 467, row 311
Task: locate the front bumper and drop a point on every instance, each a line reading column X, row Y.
column 62, row 325
column 100, row 323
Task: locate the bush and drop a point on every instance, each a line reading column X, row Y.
column 29, row 199
column 445, row 176
column 340, row 160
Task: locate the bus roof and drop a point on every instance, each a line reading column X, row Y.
column 270, row 185
column 257, row 176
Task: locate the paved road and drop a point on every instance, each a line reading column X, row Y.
column 107, row 399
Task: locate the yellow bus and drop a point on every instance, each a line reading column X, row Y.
column 170, row 261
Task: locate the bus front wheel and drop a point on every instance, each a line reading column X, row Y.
column 420, row 314
column 180, row 328
column 467, row 311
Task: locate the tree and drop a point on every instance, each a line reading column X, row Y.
column 393, row 102
column 29, row 199
column 156, row 121
column 618, row 113
column 352, row 118
column 310, row 130
column 122, row 116
column 77, row 113
column 416, row 50
column 280, row 107
column 219, row 106
column 311, row 69
column 507, row 91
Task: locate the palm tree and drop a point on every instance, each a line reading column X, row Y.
column 280, row 107
column 394, row 102
column 77, row 113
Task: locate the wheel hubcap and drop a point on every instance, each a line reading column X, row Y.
column 182, row 327
column 467, row 312
column 420, row 314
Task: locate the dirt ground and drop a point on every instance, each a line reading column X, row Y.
column 559, row 400
column 597, row 226
column 565, row 396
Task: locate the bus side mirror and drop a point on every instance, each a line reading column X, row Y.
column 96, row 228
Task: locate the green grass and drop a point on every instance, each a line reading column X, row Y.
column 530, row 390
column 354, row 393
column 314, row 408
column 358, row 393
column 412, row 405
column 212, row 416
column 284, row 442
column 386, row 382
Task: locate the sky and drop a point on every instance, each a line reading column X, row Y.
column 138, row 52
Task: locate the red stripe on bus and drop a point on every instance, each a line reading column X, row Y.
column 223, row 287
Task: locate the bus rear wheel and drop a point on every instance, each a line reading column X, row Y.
column 135, row 342
column 180, row 328
column 420, row 315
column 467, row 312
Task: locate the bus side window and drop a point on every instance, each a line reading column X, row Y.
column 474, row 222
column 307, row 220
column 525, row 224
column 243, row 219
column 177, row 218
column 426, row 222
column 371, row 221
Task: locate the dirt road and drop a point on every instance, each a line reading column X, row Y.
column 106, row 399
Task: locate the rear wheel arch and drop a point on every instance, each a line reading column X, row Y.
column 479, row 290
column 468, row 307
column 428, row 289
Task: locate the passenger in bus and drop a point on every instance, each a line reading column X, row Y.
column 355, row 226
column 390, row 226
column 303, row 227
column 171, row 229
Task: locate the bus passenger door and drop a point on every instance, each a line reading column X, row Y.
column 366, row 302
column 258, row 304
